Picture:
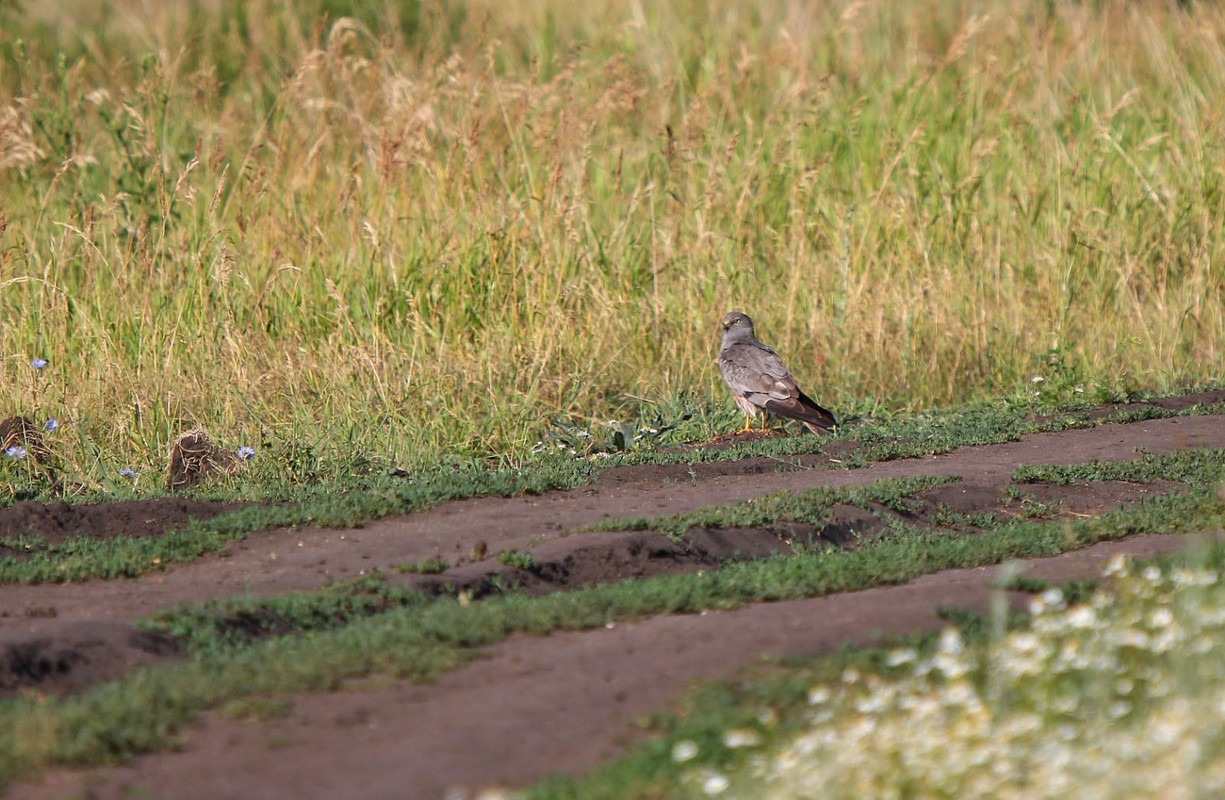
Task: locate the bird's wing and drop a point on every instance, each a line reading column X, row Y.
column 756, row 373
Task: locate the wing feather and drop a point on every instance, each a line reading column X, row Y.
column 757, row 373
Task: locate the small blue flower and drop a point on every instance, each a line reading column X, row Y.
column 38, row 363
column 128, row 473
column 246, row 453
column 52, row 424
column 16, row 452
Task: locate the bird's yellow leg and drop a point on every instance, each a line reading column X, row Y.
column 748, row 424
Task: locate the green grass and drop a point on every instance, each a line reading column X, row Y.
column 764, row 707
column 770, row 702
column 811, row 507
column 428, row 566
column 1075, row 591
column 517, row 559
column 1202, row 468
column 219, row 625
column 80, row 558
column 1117, row 697
column 1198, row 466
column 368, row 236
column 384, row 233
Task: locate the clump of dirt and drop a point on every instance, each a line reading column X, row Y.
column 573, row 562
column 195, row 457
column 849, row 527
column 53, row 522
column 570, row 562
column 78, row 655
column 963, row 497
column 536, row 526
column 20, row 434
column 586, row 560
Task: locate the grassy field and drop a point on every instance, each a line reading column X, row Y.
column 401, row 231
column 434, row 235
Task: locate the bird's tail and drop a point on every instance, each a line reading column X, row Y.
column 816, row 418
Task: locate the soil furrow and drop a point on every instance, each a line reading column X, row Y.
column 281, row 560
column 534, row 706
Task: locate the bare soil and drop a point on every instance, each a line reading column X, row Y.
column 533, row 705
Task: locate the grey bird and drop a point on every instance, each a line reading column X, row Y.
column 761, row 382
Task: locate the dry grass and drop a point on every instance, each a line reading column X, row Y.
column 434, row 228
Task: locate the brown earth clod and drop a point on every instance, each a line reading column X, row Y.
column 20, row 431
column 56, row 521
column 78, row 655
column 195, row 458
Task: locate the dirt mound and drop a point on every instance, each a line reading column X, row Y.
column 572, row 562
column 195, row 458
column 78, row 655
column 22, row 440
column 57, row 520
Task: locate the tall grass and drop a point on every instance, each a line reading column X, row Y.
column 418, row 227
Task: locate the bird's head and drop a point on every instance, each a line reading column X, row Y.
column 737, row 319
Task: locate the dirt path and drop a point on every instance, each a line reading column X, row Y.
column 283, row 560
column 563, row 702
column 535, row 706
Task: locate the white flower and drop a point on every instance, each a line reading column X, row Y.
column 741, row 737
column 1065, row 704
column 1130, row 637
column 1117, row 566
column 899, row 657
column 683, row 751
column 1160, row 617
column 1053, row 598
column 1143, row 724
column 1186, row 577
column 1081, row 617
column 715, row 784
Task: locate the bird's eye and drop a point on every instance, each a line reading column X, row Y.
column 736, row 321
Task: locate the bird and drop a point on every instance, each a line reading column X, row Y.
column 761, row 382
